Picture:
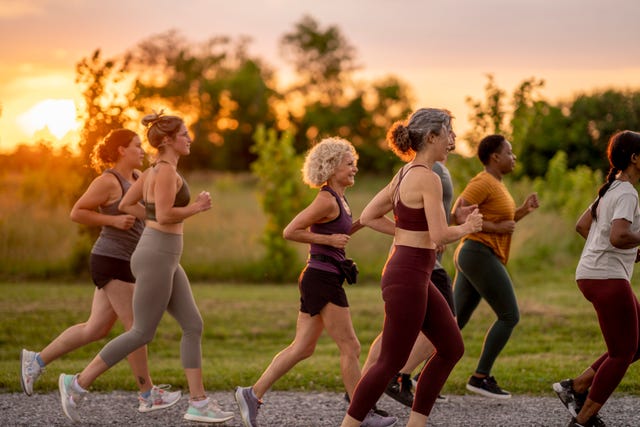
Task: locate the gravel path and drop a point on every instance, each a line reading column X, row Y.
column 314, row 409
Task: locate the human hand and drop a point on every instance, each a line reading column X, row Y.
column 123, row 222
column 505, row 227
column 531, row 203
column 462, row 212
column 474, row 221
column 339, row 240
column 203, row 201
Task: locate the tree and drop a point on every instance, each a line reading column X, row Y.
column 221, row 91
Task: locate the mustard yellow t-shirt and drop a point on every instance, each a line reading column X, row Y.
column 495, row 204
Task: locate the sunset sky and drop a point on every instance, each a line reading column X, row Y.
column 442, row 49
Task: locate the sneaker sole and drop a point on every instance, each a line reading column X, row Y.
column 560, row 391
column 145, row 409
column 64, row 400
column 22, row 381
column 244, row 409
column 486, row 393
column 190, row 417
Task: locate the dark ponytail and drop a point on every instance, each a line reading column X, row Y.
column 602, row 190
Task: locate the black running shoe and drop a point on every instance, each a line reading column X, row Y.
column 488, row 387
column 399, row 389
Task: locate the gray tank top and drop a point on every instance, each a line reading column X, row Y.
column 113, row 242
column 447, row 197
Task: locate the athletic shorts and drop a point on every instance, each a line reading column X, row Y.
column 105, row 269
column 318, row 288
column 442, row 281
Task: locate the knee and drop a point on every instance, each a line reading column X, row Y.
column 453, row 350
column 510, row 319
column 95, row 333
column 194, row 328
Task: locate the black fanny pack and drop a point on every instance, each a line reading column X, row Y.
column 348, row 266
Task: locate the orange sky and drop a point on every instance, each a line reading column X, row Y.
column 442, row 49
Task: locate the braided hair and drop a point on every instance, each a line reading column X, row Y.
column 622, row 145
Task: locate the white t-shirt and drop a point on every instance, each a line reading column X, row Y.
column 600, row 259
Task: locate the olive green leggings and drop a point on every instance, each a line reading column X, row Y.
column 480, row 274
column 161, row 285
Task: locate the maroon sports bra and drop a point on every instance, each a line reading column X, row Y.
column 412, row 219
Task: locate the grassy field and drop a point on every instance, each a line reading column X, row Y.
column 245, row 325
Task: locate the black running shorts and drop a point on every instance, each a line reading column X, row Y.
column 318, row 288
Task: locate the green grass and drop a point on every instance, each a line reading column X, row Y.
column 246, row 325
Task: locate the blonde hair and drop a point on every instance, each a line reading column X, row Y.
column 323, row 159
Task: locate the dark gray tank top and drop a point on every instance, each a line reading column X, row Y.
column 113, row 242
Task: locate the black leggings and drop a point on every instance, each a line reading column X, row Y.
column 408, row 295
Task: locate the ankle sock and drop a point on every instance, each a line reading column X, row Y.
column 76, row 386
column 146, row 394
column 200, row 403
column 40, row 361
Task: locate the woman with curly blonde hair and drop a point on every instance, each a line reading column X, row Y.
column 326, row 225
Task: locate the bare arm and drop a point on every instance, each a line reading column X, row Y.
column 621, row 235
column 374, row 215
column 584, row 223
column 323, row 208
column 100, row 192
column 530, row 204
column 439, row 230
column 165, row 189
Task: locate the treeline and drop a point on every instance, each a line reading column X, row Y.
column 226, row 93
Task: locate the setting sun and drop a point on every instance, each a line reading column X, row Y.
column 58, row 115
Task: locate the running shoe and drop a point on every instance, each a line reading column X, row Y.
column 487, row 387
column 30, row 370
column 399, row 389
column 70, row 398
column 160, row 398
column 374, row 420
column 210, row 413
column 249, row 405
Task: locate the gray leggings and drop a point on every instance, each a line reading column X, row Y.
column 480, row 275
column 161, row 285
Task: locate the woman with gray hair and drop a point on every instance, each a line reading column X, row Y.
column 326, row 225
column 161, row 283
column 412, row 303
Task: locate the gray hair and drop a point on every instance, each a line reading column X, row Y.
column 408, row 137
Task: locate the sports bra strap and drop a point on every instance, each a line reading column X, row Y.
column 403, row 172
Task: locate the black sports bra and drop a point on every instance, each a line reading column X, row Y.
column 412, row 219
column 183, row 197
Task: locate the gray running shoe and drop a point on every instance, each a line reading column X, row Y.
column 249, row 405
column 374, row 420
column 70, row 398
column 30, row 370
column 210, row 413
column 160, row 398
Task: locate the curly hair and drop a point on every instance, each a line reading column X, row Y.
column 323, row 159
column 106, row 151
column 408, row 137
column 160, row 126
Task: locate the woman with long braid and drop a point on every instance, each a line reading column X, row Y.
column 611, row 227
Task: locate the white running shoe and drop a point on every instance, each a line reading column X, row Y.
column 30, row 370
column 210, row 413
column 160, row 398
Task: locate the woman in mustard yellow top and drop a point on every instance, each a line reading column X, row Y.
column 481, row 258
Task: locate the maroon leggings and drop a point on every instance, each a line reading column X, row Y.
column 408, row 294
column 618, row 313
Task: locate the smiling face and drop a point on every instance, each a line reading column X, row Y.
column 443, row 143
column 182, row 141
column 345, row 173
